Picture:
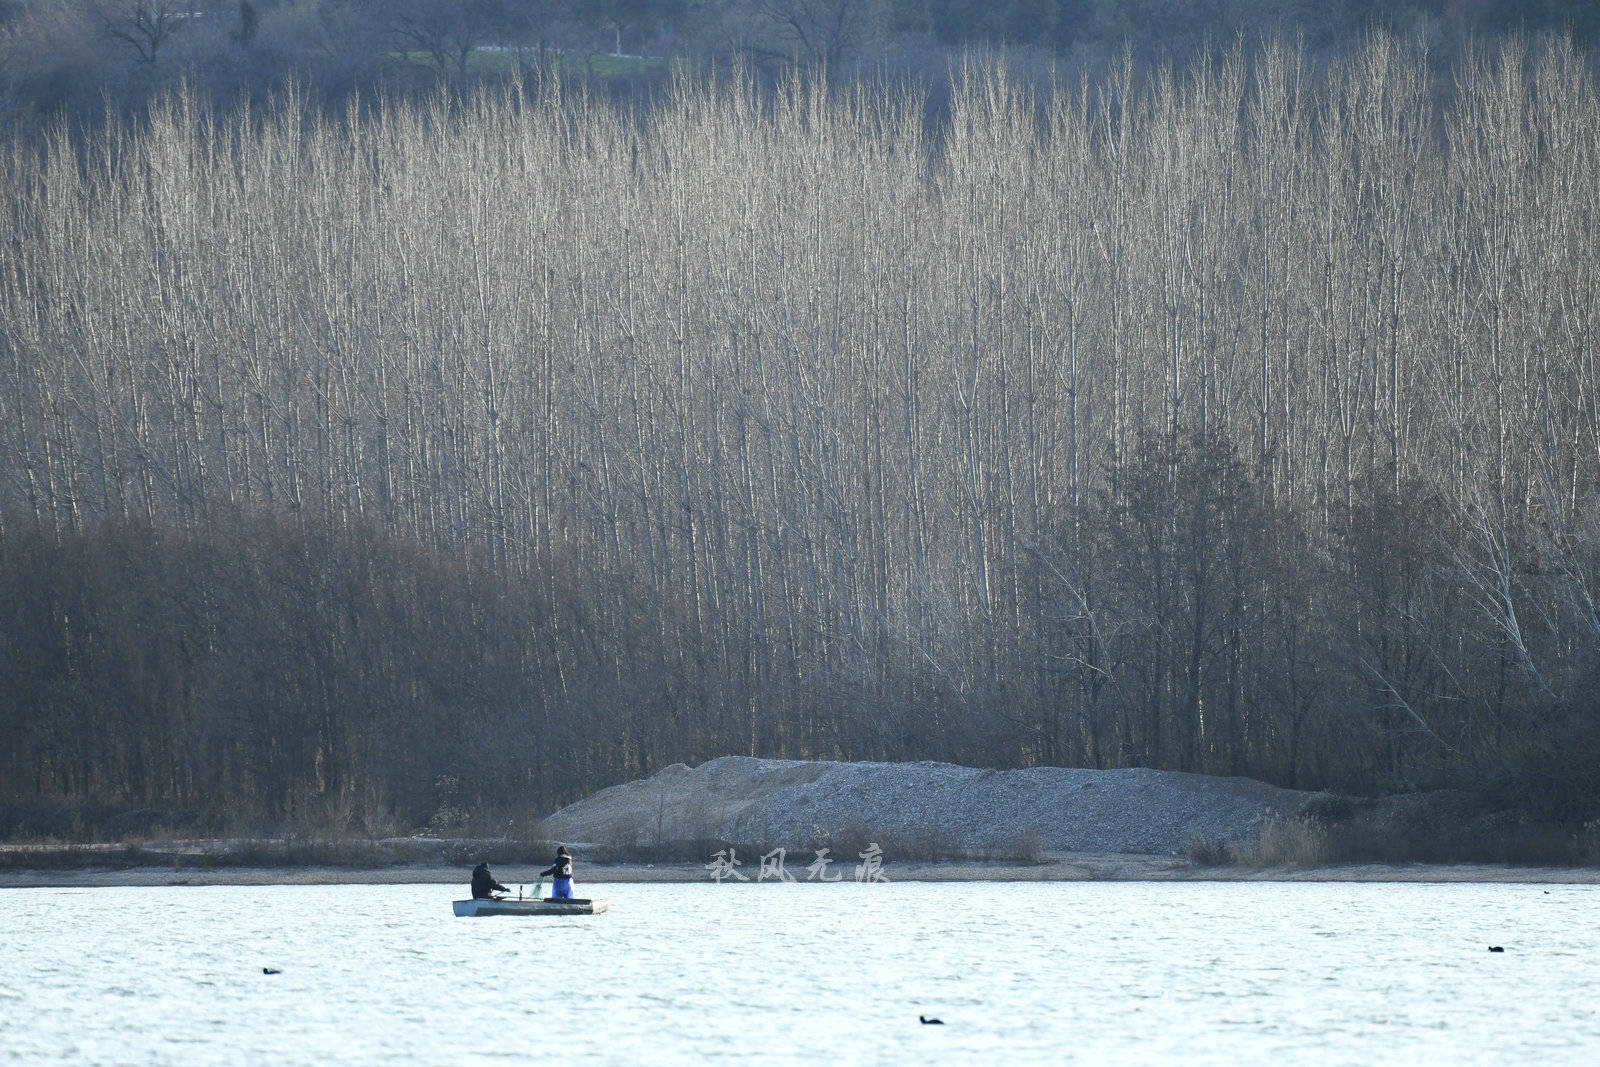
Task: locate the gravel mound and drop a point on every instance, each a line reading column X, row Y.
column 937, row 806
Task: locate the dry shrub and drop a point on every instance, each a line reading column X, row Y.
column 1025, row 847
column 1586, row 844
column 342, row 816
column 1210, row 852
column 669, row 828
column 290, row 852
column 853, row 839
column 1328, row 807
column 817, row 837
column 626, row 833
column 924, row 844
column 1467, row 837
column 917, row 845
column 45, row 857
column 1292, row 841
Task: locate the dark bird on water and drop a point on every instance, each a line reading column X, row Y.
column 930, row 1022
column 270, row 970
column 1496, row 948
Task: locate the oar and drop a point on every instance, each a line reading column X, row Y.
column 538, row 894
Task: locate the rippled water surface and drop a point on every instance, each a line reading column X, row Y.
column 1087, row 972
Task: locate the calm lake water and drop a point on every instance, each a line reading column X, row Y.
column 1084, row 972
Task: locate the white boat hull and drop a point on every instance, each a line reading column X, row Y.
column 545, row 906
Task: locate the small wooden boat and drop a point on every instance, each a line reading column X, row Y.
column 531, row 906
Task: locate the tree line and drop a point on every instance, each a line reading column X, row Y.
column 1240, row 420
column 71, row 55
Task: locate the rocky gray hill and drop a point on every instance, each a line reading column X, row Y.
column 930, row 808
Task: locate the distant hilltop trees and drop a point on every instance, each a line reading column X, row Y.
column 56, row 53
column 1242, row 419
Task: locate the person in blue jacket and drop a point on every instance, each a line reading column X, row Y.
column 561, row 871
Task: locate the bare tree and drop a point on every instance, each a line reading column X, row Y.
column 144, row 28
column 447, row 32
column 825, row 33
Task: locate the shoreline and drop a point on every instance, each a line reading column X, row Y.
column 1103, row 867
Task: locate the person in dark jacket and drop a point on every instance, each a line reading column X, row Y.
column 484, row 887
column 561, row 871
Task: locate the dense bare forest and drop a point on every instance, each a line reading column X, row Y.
column 1242, row 421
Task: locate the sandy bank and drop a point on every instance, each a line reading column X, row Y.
column 937, row 808
column 933, row 822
